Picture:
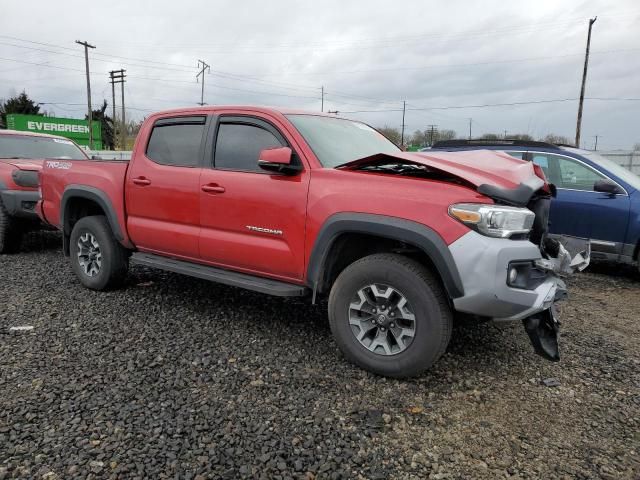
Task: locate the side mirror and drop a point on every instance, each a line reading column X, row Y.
column 607, row 186
column 278, row 160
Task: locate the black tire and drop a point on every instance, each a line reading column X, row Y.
column 433, row 317
column 114, row 261
column 11, row 232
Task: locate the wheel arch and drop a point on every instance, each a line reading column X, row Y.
column 79, row 201
column 387, row 229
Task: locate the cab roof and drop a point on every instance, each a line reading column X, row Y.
column 249, row 108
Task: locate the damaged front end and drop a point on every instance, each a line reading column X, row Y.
column 511, row 269
column 561, row 257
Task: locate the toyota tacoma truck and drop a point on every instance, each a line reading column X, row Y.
column 291, row 203
column 21, row 158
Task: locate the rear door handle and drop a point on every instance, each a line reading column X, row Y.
column 213, row 188
column 142, row 181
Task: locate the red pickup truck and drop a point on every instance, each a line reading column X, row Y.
column 21, row 158
column 292, row 203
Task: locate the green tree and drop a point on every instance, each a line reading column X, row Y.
column 106, row 126
column 19, row 104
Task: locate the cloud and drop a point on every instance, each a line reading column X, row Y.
column 369, row 55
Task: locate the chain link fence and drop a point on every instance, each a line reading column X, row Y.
column 627, row 159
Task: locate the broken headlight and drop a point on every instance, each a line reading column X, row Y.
column 494, row 220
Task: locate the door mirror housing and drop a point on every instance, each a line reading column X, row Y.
column 278, row 160
column 607, row 186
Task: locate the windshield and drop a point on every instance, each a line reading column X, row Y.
column 336, row 141
column 622, row 173
column 27, row 146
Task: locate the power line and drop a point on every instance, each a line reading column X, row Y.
column 506, row 104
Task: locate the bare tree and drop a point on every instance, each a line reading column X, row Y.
column 553, row 138
column 446, row 134
column 391, row 133
column 636, row 147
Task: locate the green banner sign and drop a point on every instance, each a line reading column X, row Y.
column 74, row 129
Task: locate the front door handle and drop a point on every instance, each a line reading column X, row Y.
column 213, row 188
column 142, row 181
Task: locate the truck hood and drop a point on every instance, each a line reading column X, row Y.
column 25, row 164
column 477, row 167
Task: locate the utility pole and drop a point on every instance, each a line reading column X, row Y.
column 595, row 146
column 470, row 120
column 113, row 101
column 87, row 46
column 118, row 76
column 205, row 67
column 404, row 108
column 505, row 134
column 432, row 132
column 124, row 121
column 584, row 81
column 322, row 99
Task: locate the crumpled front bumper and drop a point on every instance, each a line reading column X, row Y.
column 483, row 264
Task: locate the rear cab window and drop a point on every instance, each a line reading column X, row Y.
column 177, row 141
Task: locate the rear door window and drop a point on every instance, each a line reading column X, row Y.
column 576, row 175
column 177, row 141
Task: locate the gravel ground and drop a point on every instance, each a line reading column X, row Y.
column 175, row 377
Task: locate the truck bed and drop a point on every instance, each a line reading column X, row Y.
column 106, row 177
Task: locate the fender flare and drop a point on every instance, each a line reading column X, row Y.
column 95, row 195
column 409, row 232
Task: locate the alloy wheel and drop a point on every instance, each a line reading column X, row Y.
column 382, row 320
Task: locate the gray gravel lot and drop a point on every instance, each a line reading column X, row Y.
column 175, row 377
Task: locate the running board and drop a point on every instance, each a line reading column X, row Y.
column 227, row 277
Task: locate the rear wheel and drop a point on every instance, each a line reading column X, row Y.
column 97, row 258
column 389, row 315
column 11, row 232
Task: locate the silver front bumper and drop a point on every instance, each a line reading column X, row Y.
column 483, row 266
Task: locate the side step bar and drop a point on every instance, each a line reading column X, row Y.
column 227, row 277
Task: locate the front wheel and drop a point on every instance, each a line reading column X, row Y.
column 97, row 258
column 389, row 315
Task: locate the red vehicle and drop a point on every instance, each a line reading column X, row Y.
column 21, row 157
column 291, row 203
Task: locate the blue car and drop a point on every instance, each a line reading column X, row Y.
column 596, row 199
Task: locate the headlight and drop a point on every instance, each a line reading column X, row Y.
column 25, row 178
column 494, row 220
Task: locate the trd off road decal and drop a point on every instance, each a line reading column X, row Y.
column 58, row 165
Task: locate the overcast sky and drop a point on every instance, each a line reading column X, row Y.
column 369, row 56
